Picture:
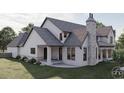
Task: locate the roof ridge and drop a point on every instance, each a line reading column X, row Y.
column 23, row 34
column 65, row 21
column 105, row 27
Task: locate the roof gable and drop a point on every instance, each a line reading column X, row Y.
column 19, row 40
column 64, row 25
column 48, row 37
column 104, row 31
column 77, row 31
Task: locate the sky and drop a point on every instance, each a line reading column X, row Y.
column 19, row 20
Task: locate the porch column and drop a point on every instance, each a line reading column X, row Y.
column 49, row 55
column 101, row 54
column 64, row 53
column 107, row 53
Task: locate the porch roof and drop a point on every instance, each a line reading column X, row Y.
column 105, row 44
column 48, row 37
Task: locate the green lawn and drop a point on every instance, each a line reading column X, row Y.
column 10, row 68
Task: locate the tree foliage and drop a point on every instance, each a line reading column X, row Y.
column 120, row 42
column 28, row 28
column 7, row 34
column 118, row 56
column 99, row 24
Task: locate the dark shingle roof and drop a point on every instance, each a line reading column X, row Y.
column 103, row 31
column 105, row 44
column 77, row 35
column 48, row 37
column 19, row 40
column 76, row 38
column 64, row 25
column 78, row 32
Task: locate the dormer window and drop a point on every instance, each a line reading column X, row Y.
column 60, row 36
column 111, row 39
column 65, row 34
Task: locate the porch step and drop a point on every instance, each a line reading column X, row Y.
column 57, row 62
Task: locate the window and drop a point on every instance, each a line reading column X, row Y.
column 111, row 39
column 71, row 53
column 65, row 34
column 32, row 50
column 96, row 52
column 85, row 54
column 60, row 36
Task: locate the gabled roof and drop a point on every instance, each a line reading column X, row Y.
column 19, row 40
column 104, row 31
column 64, row 25
column 76, row 37
column 78, row 32
column 48, row 37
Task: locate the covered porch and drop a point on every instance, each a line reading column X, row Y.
column 105, row 54
column 49, row 55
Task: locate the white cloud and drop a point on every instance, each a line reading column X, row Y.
column 19, row 20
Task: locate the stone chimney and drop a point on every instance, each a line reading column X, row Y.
column 92, row 45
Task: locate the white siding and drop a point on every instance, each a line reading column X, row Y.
column 105, row 39
column 40, row 53
column 13, row 50
column 49, row 25
column 33, row 41
column 111, row 35
column 85, row 44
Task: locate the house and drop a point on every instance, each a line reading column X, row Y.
column 58, row 41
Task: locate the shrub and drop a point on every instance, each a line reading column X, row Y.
column 24, row 59
column 18, row 57
column 32, row 60
column 118, row 56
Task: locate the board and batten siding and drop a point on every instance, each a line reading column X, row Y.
column 53, row 29
column 32, row 42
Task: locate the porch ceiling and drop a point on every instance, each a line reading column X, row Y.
column 43, row 46
column 105, row 44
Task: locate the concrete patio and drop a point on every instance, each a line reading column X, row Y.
column 58, row 64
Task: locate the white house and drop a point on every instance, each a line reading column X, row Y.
column 58, row 41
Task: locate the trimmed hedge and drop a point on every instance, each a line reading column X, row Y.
column 25, row 59
column 32, row 60
column 18, row 57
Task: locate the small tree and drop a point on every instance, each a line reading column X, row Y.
column 7, row 34
column 118, row 56
column 99, row 24
column 28, row 28
column 115, row 56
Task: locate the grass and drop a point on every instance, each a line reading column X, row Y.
column 12, row 69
